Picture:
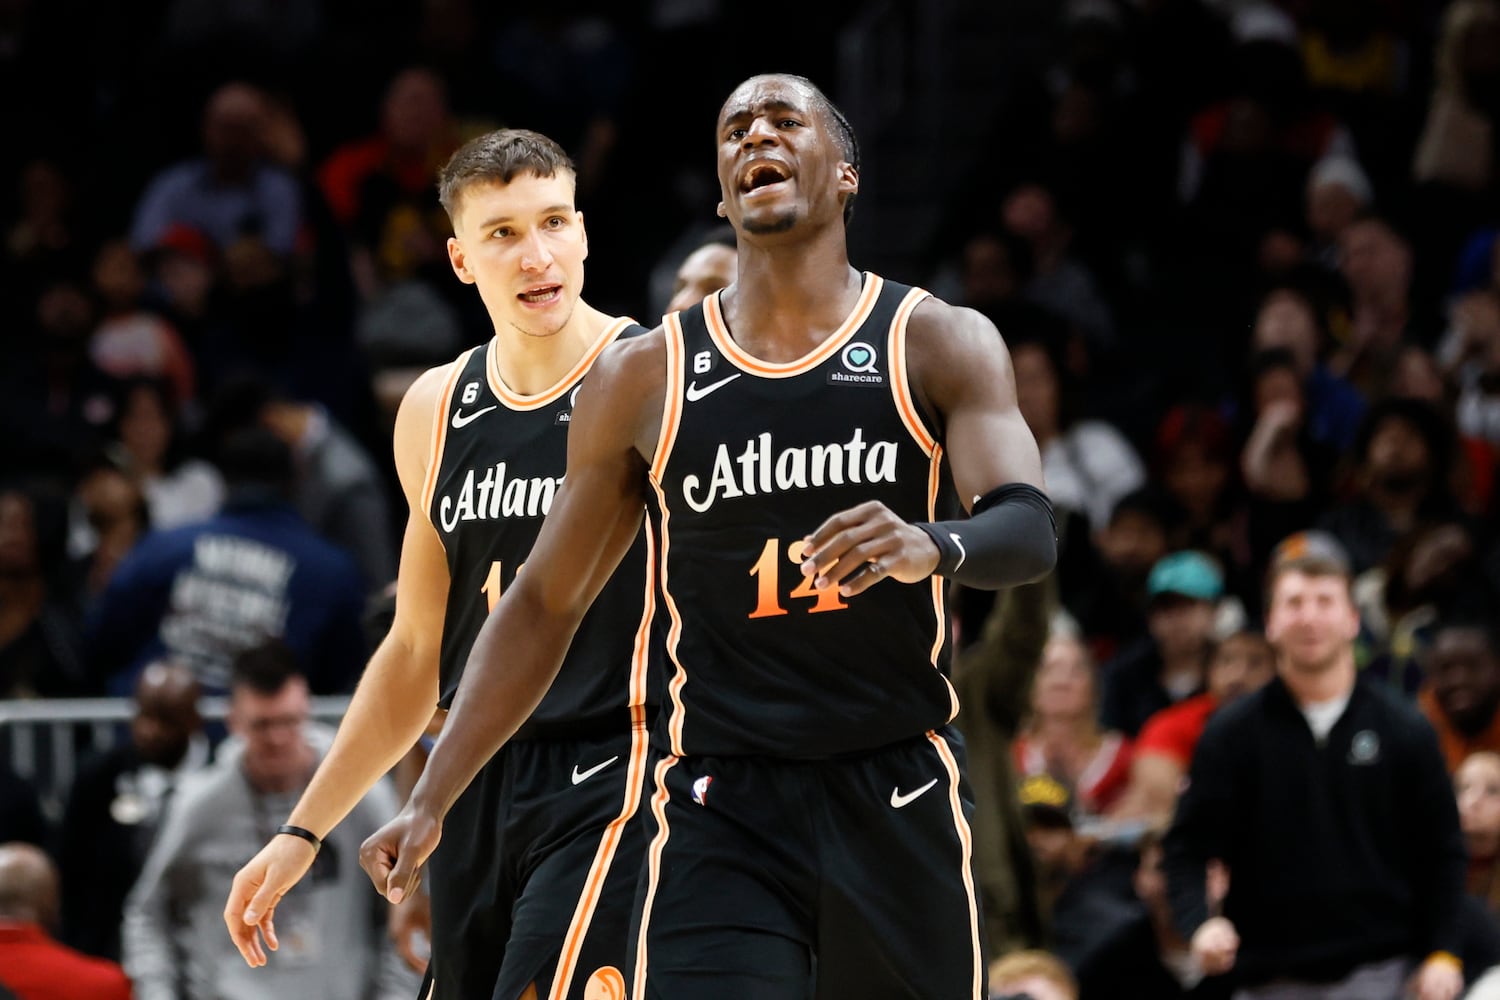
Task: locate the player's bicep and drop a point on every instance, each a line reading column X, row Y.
column 964, row 371
column 599, row 508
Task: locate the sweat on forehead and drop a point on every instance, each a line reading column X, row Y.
column 769, row 89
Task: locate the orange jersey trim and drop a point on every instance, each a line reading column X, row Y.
column 635, row 775
column 966, row 844
column 671, row 415
column 440, row 433
column 718, row 332
column 518, row 401
column 900, row 383
column 653, row 866
column 678, row 717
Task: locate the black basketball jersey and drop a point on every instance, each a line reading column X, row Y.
column 752, row 458
column 498, row 461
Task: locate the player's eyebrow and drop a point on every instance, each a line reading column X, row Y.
column 549, row 210
column 748, row 110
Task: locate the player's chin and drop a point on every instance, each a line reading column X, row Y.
column 770, row 220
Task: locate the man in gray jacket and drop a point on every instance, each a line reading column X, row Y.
column 332, row 925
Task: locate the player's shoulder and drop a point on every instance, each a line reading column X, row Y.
column 637, row 354
column 936, row 322
column 427, row 392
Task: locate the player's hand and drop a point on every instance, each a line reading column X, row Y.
column 410, row 929
column 258, row 887
column 854, row 549
column 393, row 856
column 1215, row 945
column 1439, row 978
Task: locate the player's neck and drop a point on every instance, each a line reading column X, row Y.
column 789, row 298
column 531, row 365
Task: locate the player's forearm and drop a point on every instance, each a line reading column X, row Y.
column 388, row 713
column 1010, row 539
column 515, row 658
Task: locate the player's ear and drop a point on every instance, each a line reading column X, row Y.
column 848, row 178
column 456, row 258
column 584, row 230
column 721, row 211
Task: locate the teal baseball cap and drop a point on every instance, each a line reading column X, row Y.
column 1189, row 574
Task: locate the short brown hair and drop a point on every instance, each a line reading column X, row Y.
column 1308, row 565
column 496, row 158
column 1025, row 964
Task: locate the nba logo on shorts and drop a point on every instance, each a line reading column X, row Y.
column 700, row 789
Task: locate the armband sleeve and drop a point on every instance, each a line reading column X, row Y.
column 1010, row 538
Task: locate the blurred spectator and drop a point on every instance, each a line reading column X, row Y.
column 1475, row 353
column 109, row 515
column 1241, row 664
column 1338, row 193
column 130, row 341
column 1194, row 460
column 1109, row 599
column 1058, row 281
column 39, row 654
column 332, row 926
column 1167, row 665
column 1164, row 959
column 993, row 679
column 1377, row 263
column 1402, row 460
column 33, row 966
column 707, row 269
column 382, row 188
column 1461, row 697
column 204, row 592
column 1062, row 736
column 1328, row 800
column 1033, row 974
column 1088, row 464
column 149, row 446
column 233, row 190
column 336, row 487
column 1287, row 320
column 1096, row 920
column 1476, row 781
column 55, row 402
column 1457, row 146
column 1286, row 471
column 43, row 240
column 117, row 802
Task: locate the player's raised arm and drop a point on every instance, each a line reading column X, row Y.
column 962, row 379
column 592, row 523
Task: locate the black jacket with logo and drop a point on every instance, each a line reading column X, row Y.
column 1340, row 853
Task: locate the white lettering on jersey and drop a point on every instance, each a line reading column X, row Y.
column 493, row 496
column 760, row 468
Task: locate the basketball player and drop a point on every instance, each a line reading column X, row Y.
column 531, row 895
column 810, row 813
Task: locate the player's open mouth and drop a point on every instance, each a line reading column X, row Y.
column 761, row 175
column 545, row 295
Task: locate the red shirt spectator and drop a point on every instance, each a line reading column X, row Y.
column 1173, row 732
column 32, row 965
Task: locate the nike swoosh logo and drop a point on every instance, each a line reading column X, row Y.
column 962, row 552
column 581, row 776
column 461, row 420
column 694, row 393
column 899, row 801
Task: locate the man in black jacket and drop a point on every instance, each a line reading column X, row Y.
column 1328, row 801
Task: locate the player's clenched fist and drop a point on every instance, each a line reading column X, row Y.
column 258, row 887
column 854, row 549
column 393, row 856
